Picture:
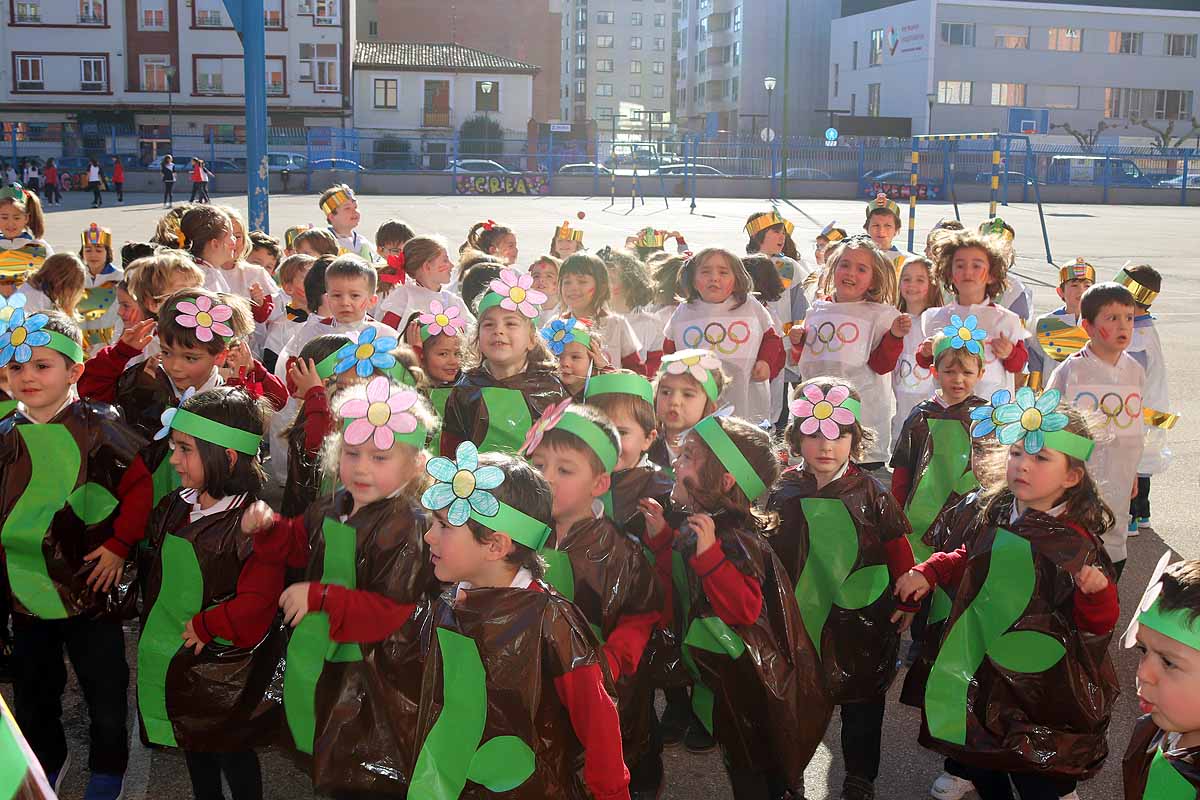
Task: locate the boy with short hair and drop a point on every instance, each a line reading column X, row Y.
column 289, row 238
column 317, row 242
column 576, row 448
column 1058, row 334
column 65, row 553
column 341, row 212
column 1144, row 283
column 390, row 239
column 1163, row 758
column 883, row 225
column 1104, row 379
column 291, row 283
column 265, row 251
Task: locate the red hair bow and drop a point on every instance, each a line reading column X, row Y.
column 491, row 223
column 395, row 272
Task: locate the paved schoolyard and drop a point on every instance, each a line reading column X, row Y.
column 1108, row 236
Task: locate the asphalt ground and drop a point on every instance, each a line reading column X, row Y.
column 1108, row 236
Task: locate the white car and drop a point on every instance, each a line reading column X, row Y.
column 478, row 166
column 1177, row 182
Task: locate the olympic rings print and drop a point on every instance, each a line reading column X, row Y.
column 715, row 336
column 831, row 337
column 1120, row 412
column 911, row 374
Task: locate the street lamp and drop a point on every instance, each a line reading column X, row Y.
column 769, row 85
column 170, row 73
column 932, row 98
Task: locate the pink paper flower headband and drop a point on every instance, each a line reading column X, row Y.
column 825, row 412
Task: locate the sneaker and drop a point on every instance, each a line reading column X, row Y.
column 1143, row 522
column 1071, row 796
column 856, row 787
column 1132, row 528
column 951, row 787
column 104, row 786
column 698, row 739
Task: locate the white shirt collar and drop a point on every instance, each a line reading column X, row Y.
column 1019, row 509
column 522, row 580
column 72, row 397
column 224, row 504
column 214, row 380
column 839, row 474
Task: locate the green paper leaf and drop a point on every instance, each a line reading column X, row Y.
column 14, row 764
column 702, row 705
column 713, row 635
column 559, row 573
column 1164, row 781
column 501, row 764
column 1026, row 651
column 940, row 606
column 92, row 503
column 863, row 587
column 948, row 471
column 508, row 418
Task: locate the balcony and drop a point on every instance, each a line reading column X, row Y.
column 210, row 84
column 33, row 17
column 91, row 19
column 435, row 118
column 209, row 19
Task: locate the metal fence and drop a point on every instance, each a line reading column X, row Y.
column 873, row 164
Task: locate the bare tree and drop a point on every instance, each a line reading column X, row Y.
column 1165, row 135
column 1088, row 137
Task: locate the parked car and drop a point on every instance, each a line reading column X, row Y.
column 224, row 165
column 1193, row 182
column 336, row 164
column 900, row 176
column 478, row 166
column 689, row 169
column 293, row 162
column 1090, row 170
column 181, row 164
column 805, row 174
column 1014, row 178
column 589, row 168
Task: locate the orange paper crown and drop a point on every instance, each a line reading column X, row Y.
column 760, row 222
column 883, row 203
column 566, row 233
column 95, row 235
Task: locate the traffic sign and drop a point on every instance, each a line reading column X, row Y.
column 767, row 135
column 560, row 127
column 831, row 134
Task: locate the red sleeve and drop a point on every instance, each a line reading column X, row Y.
column 923, row 360
column 392, row 320
column 262, row 311
column 244, row 618
column 735, row 596
column 668, row 347
column 901, row 483
column 900, row 561
column 285, row 543
column 1097, row 613
column 356, row 615
column 318, row 419
column 259, row 382
column 885, row 355
column 653, row 362
column 770, row 350
column 634, row 362
column 625, row 644
column 795, row 351
column 1017, row 358
column 944, row 569
column 594, row 718
column 136, row 495
column 101, row 371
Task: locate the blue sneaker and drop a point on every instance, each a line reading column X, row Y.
column 1132, row 528
column 104, row 786
column 1143, row 522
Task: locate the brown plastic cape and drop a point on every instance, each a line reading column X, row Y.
column 611, row 579
column 664, row 656
column 498, row 652
column 469, row 408
column 143, row 397
column 770, row 707
column 916, row 448
column 990, row 710
column 41, row 496
column 1144, row 745
column 366, row 709
column 859, row 643
column 215, row 701
column 303, row 473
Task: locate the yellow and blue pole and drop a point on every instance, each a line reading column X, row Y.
column 912, row 197
column 248, row 21
column 995, row 175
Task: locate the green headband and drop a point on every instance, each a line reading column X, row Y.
column 1071, row 444
column 730, row 457
column 592, row 435
column 215, row 432
column 491, row 300
column 943, row 343
column 1177, row 624
column 65, row 345
column 328, row 365
column 519, row 526
column 619, row 383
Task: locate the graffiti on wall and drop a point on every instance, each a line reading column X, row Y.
column 902, row 191
column 502, row 184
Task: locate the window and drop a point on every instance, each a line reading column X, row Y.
column 580, row 88
column 1059, row 96
column 386, row 93
column 734, row 88
column 853, row 103
column 635, row 18
column 836, row 79
column 581, row 65
column 209, row 13
column 29, row 73
column 876, row 47
column 1008, row 94
column 635, row 43
column 1180, row 44
column 1172, row 104
column 581, row 16
column 660, row 20
column 273, row 15
column 605, row 17
column 327, row 12
column 209, row 76
column 319, row 65
column 635, row 90
column 953, row 93
column 487, row 96
column 872, row 99
column 1012, row 38
column 581, row 39
column 737, row 53
column 604, row 111
column 603, row 90
column 154, row 73
column 29, row 12
column 276, row 85
column 1126, row 43
column 660, row 43
column 373, row 28
column 92, row 74
column 659, row 68
column 657, row 92
column 958, row 34
column 635, row 67
column 737, row 18
column 91, row 12
column 605, row 42
column 854, row 55
column 1069, row 40
column 604, row 65
column 1147, row 104
column 152, row 15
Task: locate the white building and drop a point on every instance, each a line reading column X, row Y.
column 983, row 65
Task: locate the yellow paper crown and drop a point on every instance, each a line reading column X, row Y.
column 289, row 236
column 760, row 222
column 832, row 233
column 95, row 235
column 997, row 227
column 1079, row 271
column 883, row 202
column 565, row 232
column 649, row 237
column 336, row 201
column 1142, row 295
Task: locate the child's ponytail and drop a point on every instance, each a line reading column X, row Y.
column 37, row 219
column 483, row 236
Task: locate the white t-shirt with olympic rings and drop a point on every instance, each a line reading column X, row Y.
column 911, row 383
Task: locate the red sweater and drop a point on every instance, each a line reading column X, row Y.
column 244, row 618
column 135, row 495
column 318, row 418
column 101, row 371
column 259, row 382
column 770, row 350
column 735, row 596
column 262, row 311
column 1093, row 613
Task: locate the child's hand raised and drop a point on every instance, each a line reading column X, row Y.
column 796, row 336
column 925, row 349
column 901, row 325
column 257, row 517
column 303, row 372
column 139, row 335
column 656, row 519
column 294, row 602
column 190, row 639
column 1090, row 579
column 1002, row 347
column 705, row 530
column 257, row 295
column 412, row 334
column 912, row 586
column 761, row 371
